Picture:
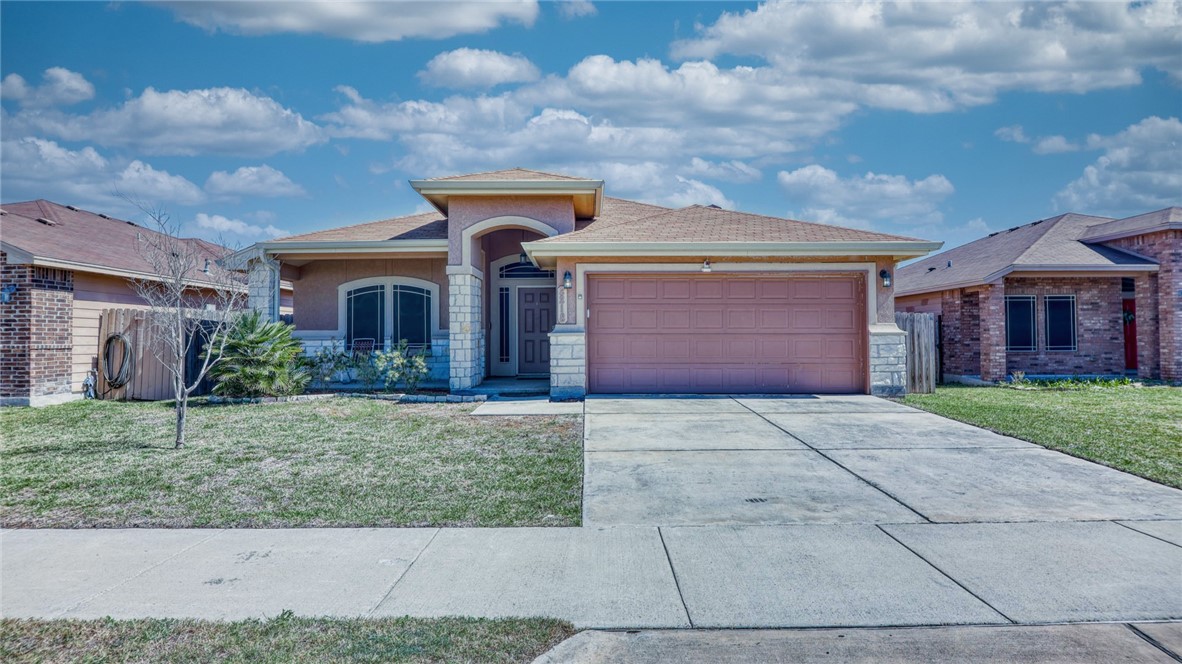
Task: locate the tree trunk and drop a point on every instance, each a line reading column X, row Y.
column 182, row 410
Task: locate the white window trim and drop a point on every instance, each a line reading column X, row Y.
column 496, row 367
column 1046, row 300
column 1033, row 323
column 437, row 335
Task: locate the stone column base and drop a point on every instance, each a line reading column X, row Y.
column 568, row 363
column 888, row 361
column 465, row 330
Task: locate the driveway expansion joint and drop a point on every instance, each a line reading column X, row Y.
column 946, row 574
column 676, row 581
column 1154, row 642
column 1119, row 523
column 834, row 462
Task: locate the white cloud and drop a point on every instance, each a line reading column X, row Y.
column 826, row 197
column 477, row 68
column 261, row 181
column 1054, row 145
column 1012, row 134
column 570, row 9
column 695, row 192
column 39, row 168
column 933, row 57
column 358, row 21
column 181, row 122
column 219, row 225
column 60, row 87
column 730, row 171
column 1140, row 171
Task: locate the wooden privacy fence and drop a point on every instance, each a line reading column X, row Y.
column 126, row 346
column 923, row 360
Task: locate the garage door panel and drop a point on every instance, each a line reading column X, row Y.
column 726, row 334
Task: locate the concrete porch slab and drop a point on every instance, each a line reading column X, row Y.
column 822, row 403
column 1056, row 572
column 1045, row 644
column 812, row 576
column 662, row 404
column 593, row 577
column 715, row 431
column 1170, row 531
column 729, row 487
column 887, row 430
column 256, row 573
column 978, row 484
column 528, row 406
column 48, row 572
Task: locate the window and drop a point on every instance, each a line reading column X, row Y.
column 365, row 316
column 412, row 315
column 1060, row 317
column 1020, row 323
column 503, row 351
column 524, row 271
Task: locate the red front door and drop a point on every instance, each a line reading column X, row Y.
column 1129, row 312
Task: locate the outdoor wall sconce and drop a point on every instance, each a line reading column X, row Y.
column 523, row 258
column 566, row 279
column 6, row 293
column 706, row 265
column 886, row 278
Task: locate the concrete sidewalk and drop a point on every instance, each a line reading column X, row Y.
column 612, row 577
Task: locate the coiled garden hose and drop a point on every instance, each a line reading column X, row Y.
column 121, row 378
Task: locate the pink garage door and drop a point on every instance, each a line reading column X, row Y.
column 726, row 333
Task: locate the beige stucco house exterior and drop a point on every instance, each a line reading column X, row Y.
column 529, row 274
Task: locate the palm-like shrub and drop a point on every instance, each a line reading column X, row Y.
column 261, row 359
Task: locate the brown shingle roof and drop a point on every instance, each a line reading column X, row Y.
column 1049, row 243
column 79, row 236
column 509, row 174
column 1149, row 222
column 698, row 223
column 426, row 226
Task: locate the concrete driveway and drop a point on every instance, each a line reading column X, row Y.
column 697, row 460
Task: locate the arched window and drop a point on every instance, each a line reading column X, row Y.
column 365, row 316
column 412, row 315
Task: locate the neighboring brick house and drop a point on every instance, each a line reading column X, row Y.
column 60, row 267
column 519, row 273
column 1069, row 295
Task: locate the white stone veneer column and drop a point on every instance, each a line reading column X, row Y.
column 466, row 330
column 263, row 287
column 888, row 361
column 568, row 363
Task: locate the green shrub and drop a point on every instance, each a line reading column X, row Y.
column 327, row 362
column 261, row 359
column 402, row 366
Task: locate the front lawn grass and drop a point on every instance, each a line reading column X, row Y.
column 334, row 462
column 280, row 640
column 1135, row 429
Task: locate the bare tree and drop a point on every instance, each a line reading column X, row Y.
column 193, row 302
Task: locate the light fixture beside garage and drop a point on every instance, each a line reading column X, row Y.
column 886, row 278
column 706, row 265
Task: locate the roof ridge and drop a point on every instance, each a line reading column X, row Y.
column 1053, row 224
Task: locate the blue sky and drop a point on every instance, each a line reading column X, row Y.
column 938, row 120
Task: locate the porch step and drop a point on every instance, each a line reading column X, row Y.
column 510, row 387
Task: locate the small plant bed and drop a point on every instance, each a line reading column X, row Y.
column 282, row 639
column 329, row 462
column 1130, row 427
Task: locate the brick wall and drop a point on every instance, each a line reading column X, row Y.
column 1100, row 341
column 961, row 333
column 1166, row 248
column 36, row 329
column 992, row 320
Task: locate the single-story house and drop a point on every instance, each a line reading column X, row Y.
column 519, row 273
column 1069, row 295
column 60, row 267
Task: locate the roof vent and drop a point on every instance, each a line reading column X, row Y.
column 103, row 216
column 71, row 207
column 949, row 263
column 47, row 222
column 716, row 207
column 932, row 269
